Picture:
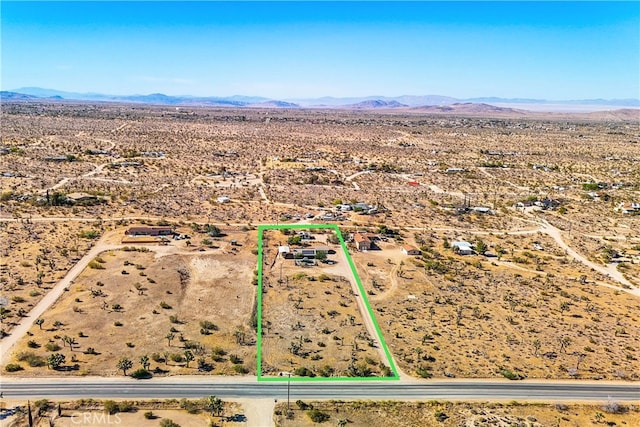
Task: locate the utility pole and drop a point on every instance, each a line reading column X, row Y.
column 288, row 393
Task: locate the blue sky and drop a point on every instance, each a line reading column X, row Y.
column 552, row 50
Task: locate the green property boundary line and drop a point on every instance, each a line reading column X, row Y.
column 261, row 229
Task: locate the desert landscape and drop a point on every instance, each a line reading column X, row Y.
column 315, row 320
column 487, row 247
column 175, row 308
column 549, row 289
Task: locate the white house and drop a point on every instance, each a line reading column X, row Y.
column 462, row 248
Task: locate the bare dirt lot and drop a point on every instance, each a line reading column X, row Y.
column 311, row 317
column 35, row 256
column 528, row 313
column 446, row 414
column 187, row 311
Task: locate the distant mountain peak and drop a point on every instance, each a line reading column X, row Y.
column 274, row 104
column 376, row 103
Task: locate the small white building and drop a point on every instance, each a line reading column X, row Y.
column 462, row 248
column 481, row 209
column 223, row 199
column 410, row 250
column 455, row 170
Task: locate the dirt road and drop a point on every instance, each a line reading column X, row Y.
column 343, row 268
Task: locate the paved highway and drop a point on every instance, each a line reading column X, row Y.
column 347, row 390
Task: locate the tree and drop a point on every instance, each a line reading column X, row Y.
column 445, row 243
column 213, row 231
column 459, row 315
column 124, row 364
column 480, row 247
column 295, row 348
column 66, row 340
column 564, row 306
column 418, row 351
column 215, row 405
column 564, row 342
column 426, row 338
column 294, row 240
column 169, row 337
column 536, row 346
column 188, row 356
column 55, row 360
column 240, row 335
column 581, row 357
column 144, row 361
column 39, row 322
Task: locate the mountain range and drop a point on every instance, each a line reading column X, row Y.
column 369, row 102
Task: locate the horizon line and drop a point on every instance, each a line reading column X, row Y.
column 310, row 98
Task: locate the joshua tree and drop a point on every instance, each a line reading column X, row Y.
column 459, row 315
column 294, row 348
column 124, row 364
column 39, row 322
column 68, row 340
column 55, row 360
column 215, row 405
column 418, row 351
column 188, row 356
column 426, row 338
column 240, row 335
column 564, row 342
column 536, row 346
column 169, row 337
column 144, row 361
column 581, row 357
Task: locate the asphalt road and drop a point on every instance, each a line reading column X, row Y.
column 347, row 390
